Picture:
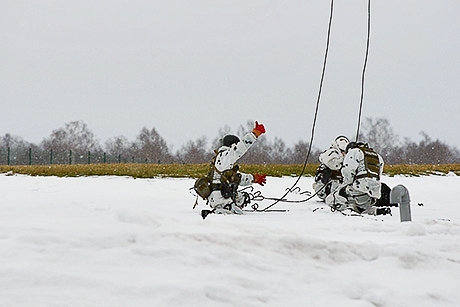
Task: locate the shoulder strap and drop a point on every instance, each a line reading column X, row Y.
column 213, row 163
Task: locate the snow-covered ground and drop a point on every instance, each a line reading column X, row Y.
column 116, row 241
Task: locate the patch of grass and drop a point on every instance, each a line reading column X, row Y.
column 421, row 170
column 123, row 169
column 196, row 170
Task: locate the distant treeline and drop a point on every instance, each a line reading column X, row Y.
column 75, row 143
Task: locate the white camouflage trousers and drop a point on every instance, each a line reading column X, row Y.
column 349, row 198
column 226, row 205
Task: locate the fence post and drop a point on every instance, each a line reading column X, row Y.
column 105, row 157
column 8, row 159
column 30, row 156
column 70, row 156
column 51, row 156
column 119, row 158
column 89, row 157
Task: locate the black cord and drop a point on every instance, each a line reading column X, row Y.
column 257, row 196
column 316, row 110
column 282, row 199
column 364, row 67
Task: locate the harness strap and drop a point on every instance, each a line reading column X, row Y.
column 367, row 175
column 216, row 186
column 230, row 179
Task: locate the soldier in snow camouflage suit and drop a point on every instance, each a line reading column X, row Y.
column 328, row 176
column 221, row 199
column 361, row 187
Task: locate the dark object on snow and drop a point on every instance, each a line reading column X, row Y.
column 205, row 213
column 383, row 211
column 384, row 199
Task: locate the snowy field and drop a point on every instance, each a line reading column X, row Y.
column 116, row 241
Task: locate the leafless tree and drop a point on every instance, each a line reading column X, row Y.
column 11, row 141
column 380, row 136
column 428, row 151
column 151, row 147
column 13, row 149
column 73, row 136
column 118, row 148
column 278, row 152
column 299, row 153
column 72, row 143
column 195, row 152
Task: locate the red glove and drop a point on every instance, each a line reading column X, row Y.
column 260, row 179
column 258, row 130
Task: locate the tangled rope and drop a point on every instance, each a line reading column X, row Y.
column 256, row 196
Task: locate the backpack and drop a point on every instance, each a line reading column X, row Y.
column 229, row 181
column 203, row 185
column 371, row 162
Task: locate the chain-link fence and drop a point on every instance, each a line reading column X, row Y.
column 34, row 156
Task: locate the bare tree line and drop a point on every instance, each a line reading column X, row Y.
column 379, row 134
column 75, row 143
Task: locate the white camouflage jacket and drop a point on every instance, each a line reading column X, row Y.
column 228, row 156
column 353, row 165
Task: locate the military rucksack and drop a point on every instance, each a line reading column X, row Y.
column 203, row 185
column 371, row 162
column 229, row 181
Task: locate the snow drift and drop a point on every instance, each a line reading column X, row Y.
column 117, row 241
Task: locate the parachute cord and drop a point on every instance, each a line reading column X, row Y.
column 364, row 67
column 316, row 110
column 257, row 196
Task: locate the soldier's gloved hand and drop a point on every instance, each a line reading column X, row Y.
column 258, row 130
column 260, row 179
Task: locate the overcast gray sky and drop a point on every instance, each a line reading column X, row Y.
column 188, row 68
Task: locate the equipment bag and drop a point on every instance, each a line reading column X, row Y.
column 371, row 163
column 203, row 186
